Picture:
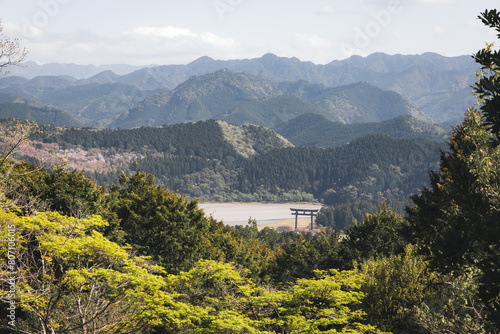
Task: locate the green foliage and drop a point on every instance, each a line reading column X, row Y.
column 72, row 279
column 219, row 288
column 340, row 216
column 456, row 220
column 453, row 307
column 67, row 192
column 71, row 193
column 380, row 234
column 268, row 236
column 304, row 253
column 328, row 303
column 394, row 286
column 488, row 83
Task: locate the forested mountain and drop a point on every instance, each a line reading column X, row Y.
column 354, row 103
column 217, row 161
column 237, row 98
column 97, row 105
column 423, row 79
column 14, row 106
column 243, row 98
column 93, row 104
column 317, row 130
column 437, row 85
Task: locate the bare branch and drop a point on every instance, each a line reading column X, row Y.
column 11, row 52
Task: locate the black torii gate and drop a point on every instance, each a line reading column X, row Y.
column 304, row 212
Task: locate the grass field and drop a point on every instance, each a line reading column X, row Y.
column 289, row 224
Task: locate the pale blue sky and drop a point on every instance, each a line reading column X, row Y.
column 142, row 32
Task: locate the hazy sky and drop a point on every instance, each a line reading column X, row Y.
column 142, row 32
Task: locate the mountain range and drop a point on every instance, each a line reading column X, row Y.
column 434, row 84
column 31, row 70
column 237, row 98
column 241, row 98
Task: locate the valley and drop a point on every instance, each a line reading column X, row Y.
column 179, row 198
column 268, row 129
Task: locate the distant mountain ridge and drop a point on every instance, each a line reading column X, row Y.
column 31, row 70
column 435, row 84
column 238, row 98
column 317, row 130
column 241, row 98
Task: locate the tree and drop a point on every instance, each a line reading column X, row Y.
column 453, row 306
column 64, row 276
column 456, row 221
column 72, row 194
column 394, row 286
column 220, row 292
column 301, row 256
column 11, row 52
column 13, row 193
column 380, row 234
column 227, row 301
column 326, row 217
column 487, row 88
column 161, row 224
column 330, row 303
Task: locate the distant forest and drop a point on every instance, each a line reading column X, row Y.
column 195, row 159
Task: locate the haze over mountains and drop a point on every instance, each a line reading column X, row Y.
column 268, row 91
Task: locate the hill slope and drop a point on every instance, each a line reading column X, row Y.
column 316, row 130
column 205, row 159
column 14, row 106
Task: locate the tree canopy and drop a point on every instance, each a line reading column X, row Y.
column 487, row 87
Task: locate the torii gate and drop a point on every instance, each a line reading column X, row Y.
column 304, row 212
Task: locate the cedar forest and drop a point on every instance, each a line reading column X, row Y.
column 135, row 257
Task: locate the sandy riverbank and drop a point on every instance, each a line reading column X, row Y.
column 264, row 213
